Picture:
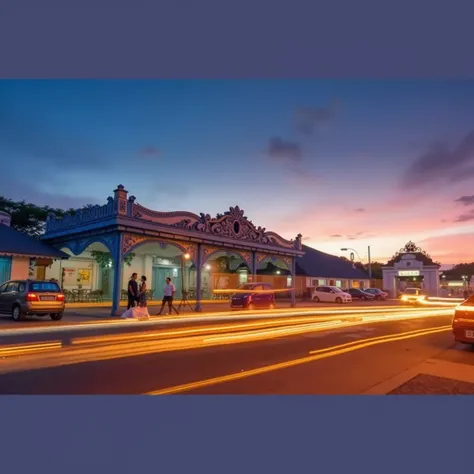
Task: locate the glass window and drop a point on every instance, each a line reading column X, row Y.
column 13, row 286
column 338, row 283
column 3, row 287
column 288, row 281
column 45, row 287
column 21, row 287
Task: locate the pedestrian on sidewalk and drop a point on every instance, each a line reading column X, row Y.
column 168, row 296
column 132, row 291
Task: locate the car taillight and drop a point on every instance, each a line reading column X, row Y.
column 32, row 297
column 60, row 297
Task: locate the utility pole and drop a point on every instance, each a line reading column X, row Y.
column 370, row 263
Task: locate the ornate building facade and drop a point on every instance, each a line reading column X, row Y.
column 159, row 244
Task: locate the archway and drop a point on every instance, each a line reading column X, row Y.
column 87, row 276
column 158, row 260
column 276, row 271
column 223, row 271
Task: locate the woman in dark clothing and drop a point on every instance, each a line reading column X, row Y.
column 142, row 292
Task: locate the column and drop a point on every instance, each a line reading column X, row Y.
column 293, row 282
column 254, row 266
column 198, row 265
column 118, row 275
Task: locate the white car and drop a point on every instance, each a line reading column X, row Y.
column 330, row 294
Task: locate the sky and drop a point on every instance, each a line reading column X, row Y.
column 348, row 164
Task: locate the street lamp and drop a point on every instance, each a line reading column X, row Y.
column 360, row 260
column 184, row 257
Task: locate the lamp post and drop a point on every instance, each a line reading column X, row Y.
column 360, row 260
column 184, row 257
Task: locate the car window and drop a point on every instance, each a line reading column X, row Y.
column 12, row 286
column 336, row 289
column 45, row 286
column 3, row 287
column 319, row 288
column 21, row 287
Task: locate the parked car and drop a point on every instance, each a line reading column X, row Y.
column 330, row 294
column 411, row 295
column 358, row 294
column 22, row 298
column 463, row 322
column 378, row 294
column 259, row 296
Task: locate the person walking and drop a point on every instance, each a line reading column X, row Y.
column 168, row 296
column 132, row 291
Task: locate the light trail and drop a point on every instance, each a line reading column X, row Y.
column 314, row 356
column 213, row 317
column 139, row 346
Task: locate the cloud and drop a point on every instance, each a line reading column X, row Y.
column 466, row 200
column 279, row 149
column 359, row 209
column 336, row 236
column 440, row 163
column 149, row 151
column 308, row 119
column 466, row 217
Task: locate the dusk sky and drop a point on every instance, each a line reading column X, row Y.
column 345, row 163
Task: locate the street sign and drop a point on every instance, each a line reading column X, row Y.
column 409, row 273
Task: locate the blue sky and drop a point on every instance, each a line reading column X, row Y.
column 343, row 162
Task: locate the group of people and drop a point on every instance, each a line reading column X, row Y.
column 137, row 296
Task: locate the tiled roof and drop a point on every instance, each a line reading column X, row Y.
column 319, row 264
column 13, row 242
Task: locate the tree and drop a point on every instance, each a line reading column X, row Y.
column 460, row 270
column 30, row 218
column 376, row 268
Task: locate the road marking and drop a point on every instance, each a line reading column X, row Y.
column 315, row 355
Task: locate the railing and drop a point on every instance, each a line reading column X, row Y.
column 82, row 216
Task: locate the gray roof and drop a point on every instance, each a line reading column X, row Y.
column 319, row 264
column 13, row 242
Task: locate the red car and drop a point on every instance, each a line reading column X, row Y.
column 463, row 322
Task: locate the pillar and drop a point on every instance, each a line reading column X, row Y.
column 293, row 282
column 198, row 264
column 254, row 266
column 118, row 275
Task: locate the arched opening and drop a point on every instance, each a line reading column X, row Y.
column 222, row 272
column 277, row 272
column 158, row 260
column 86, row 277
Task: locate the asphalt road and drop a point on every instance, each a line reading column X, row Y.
column 330, row 354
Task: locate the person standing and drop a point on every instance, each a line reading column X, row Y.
column 132, row 291
column 168, row 296
column 142, row 293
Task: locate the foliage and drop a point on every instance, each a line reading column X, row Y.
column 375, row 266
column 105, row 260
column 460, row 270
column 30, row 218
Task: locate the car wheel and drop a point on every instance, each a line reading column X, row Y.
column 56, row 316
column 338, row 300
column 17, row 313
column 316, row 299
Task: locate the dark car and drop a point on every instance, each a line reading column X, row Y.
column 253, row 296
column 360, row 295
column 378, row 294
column 463, row 322
column 22, row 298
